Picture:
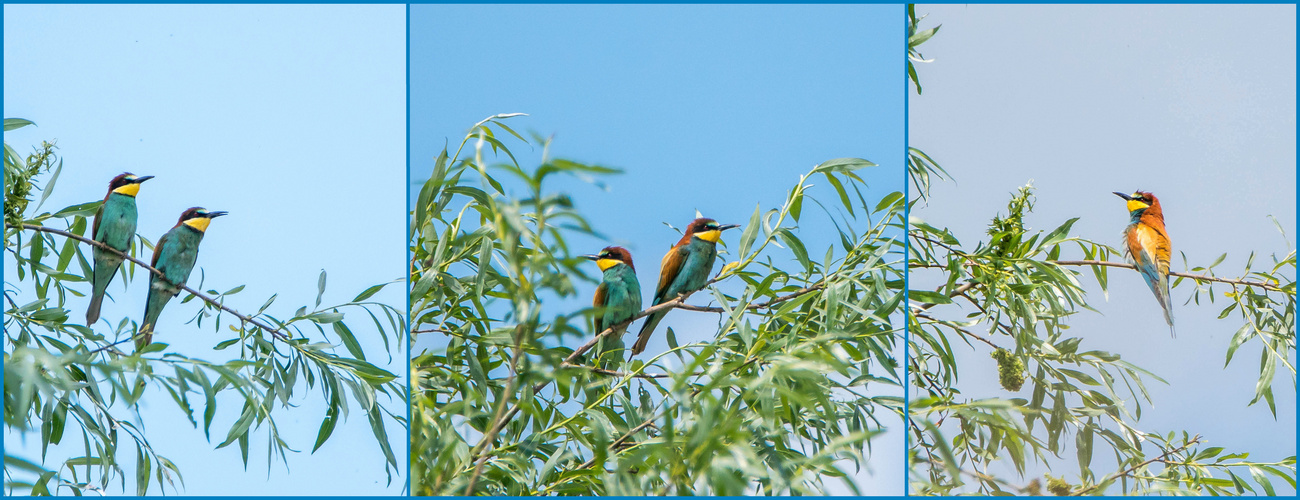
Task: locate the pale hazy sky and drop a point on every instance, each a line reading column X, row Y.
column 1193, row 103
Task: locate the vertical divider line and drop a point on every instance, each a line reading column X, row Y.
column 907, row 253
column 410, row 383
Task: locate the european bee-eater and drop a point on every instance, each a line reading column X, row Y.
column 174, row 255
column 685, row 268
column 114, row 226
column 1146, row 246
column 618, row 297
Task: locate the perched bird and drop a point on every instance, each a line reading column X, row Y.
column 114, row 226
column 685, row 268
column 174, row 255
column 618, row 297
column 1146, row 246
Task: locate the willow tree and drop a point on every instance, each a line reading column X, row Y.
column 785, row 395
column 76, row 388
column 1010, row 296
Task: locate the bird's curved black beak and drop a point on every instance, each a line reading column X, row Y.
column 138, row 180
column 590, row 257
column 1122, row 195
column 728, row 226
column 213, row 215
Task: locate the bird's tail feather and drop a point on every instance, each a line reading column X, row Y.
column 153, row 307
column 1167, row 304
column 92, row 312
column 105, row 270
column 1161, row 288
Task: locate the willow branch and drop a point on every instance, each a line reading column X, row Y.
column 498, row 421
column 276, row 332
column 1197, row 277
column 650, row 421
column 676, row 303
column 762, row 305
column 960, row 330
column 481, row 453
column 1129, row 471
column 614, row 373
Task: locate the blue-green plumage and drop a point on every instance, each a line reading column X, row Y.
column 622, row 295
column 114, row 226
column 617, row 299
column 685, row 268
column 174, row 256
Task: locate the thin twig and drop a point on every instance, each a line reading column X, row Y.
column 1198, row 277
column 762, row 305
column 977, row 305
column 979, row 475
column 960, row 330
column 1130, row 470
column 115, row 344
column 614, row 373
column 276, row 332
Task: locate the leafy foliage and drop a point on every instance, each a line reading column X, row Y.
column 1023, row 291
column 65, row 380
column 787, row 391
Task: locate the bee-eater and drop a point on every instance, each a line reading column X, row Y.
column 618, row 297
column 114, row 226
column 174, row 255
column 685, row 268
column 1146, row 246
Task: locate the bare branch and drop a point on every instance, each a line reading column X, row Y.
column 1197, row 277
column 276, row 332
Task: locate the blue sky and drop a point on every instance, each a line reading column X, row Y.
column 1194, row 103
column 292, row 118
column 709, row 108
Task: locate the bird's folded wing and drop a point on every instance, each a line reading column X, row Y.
column 669, row 267
column 599, row 302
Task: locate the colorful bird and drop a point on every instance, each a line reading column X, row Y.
column 618, row 297
column 685, row 268
column 114, row 226
column 1146, row 246
column 174, row 255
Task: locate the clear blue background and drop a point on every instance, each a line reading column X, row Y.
column 709, row 108
column 1193, row 103
column 292, row 118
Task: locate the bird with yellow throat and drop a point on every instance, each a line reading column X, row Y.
column 114, row 226
column 174, row 255
column 617, row 299
column 685, row 268
column 1146, row 246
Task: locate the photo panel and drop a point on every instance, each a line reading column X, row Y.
column 728, row 179
column 1102, row 273
column 204, row 262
